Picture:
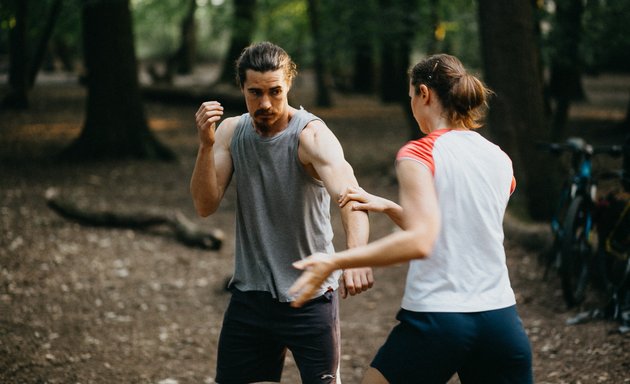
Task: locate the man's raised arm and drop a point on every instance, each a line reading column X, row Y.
column 213, row 167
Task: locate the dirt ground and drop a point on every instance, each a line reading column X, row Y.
column 83, row 304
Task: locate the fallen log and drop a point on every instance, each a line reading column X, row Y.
column 185, row 231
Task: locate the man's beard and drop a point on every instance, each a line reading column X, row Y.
column 262, row 125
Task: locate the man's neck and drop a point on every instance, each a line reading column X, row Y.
column 278, row 127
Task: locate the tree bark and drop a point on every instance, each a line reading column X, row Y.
column 242, row 29
column 395, row 55
column 565, row 84
column 183, row 61
column 625, row 124
column 362, row 25
column 432, row 46
column 115, row 125
column 42, row 47
column 323, row 98
column 17, row 98
column 396, row 48
column 517, row 119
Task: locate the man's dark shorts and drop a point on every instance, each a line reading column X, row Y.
column 258, row 329
column 488, row 347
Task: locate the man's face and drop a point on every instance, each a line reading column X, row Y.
column 266, row 99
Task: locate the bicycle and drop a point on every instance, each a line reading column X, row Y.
column 572, row 223
column 613, row 253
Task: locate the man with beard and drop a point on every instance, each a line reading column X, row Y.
column 286, row 164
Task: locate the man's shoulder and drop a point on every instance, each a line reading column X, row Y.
column 226, row 129
column 314, row 129
column 230, row 123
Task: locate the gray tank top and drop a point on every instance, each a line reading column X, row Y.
column 282, row 213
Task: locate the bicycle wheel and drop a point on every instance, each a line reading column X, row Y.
column 576, row 252
column 551, row 258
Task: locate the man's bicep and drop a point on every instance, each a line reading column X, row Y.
column 324, row 152
column 337, row 176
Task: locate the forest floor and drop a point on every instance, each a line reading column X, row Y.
column 81, row 304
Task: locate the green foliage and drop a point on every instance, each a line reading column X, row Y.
column 457, row 32
column 606, row 26
column 67, row 32
column 605, row 35
column 286, row 23
column 156, row 26
column 68, row 27
column 7, row 21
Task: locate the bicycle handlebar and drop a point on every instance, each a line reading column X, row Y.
column 577, row 145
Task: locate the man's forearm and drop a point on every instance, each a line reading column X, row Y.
column 357, row 227
column 203, row 184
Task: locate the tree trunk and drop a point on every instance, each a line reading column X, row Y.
column 626, row 121
column 396, row 48
column 434, row 15
column 362, row 21
column 115, row 125
column 42, row 47
column 183, row 60
column 363, row 74
column 395, row 55
column 565, row 83
column 321, row 75
column 17, row 98
column 242, row 29
column 517, row 119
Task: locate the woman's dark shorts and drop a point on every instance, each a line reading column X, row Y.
column 488, row 347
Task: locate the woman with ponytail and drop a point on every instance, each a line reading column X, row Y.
column 458, row 312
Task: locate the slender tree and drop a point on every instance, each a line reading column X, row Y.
column 321, row 75
column 17, row 97
column 625, row 124
column 243, row 27
column 115, row 125
column 565, row 84
column 396, row 47
column 42, row 46
column 517, row 118
column 434, row 17
column 363, row 29
column 396, row 40
column 183, row 60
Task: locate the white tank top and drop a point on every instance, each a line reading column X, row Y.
column 466, row 271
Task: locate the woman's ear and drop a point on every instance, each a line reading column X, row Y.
column 425, row 93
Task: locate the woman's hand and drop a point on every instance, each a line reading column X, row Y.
column 317, row 268
column 362, row 201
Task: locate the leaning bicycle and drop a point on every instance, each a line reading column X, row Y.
column 572, row 224
column 611, row 263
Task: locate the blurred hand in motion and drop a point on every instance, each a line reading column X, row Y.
column 317, row 268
